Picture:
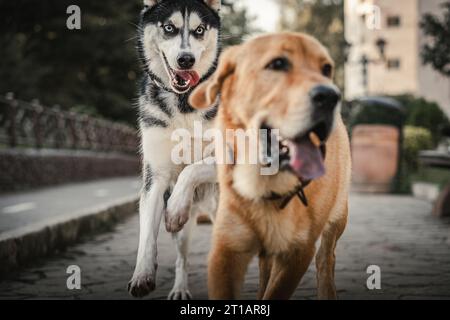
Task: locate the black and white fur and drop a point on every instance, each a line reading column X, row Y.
column 164, row 108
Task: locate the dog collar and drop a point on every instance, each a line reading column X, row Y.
column 299, row 191
column 285, row 199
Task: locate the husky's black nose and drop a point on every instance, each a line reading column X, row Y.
column 186, row 61
column 325, row 97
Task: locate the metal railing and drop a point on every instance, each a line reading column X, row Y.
column 24, row 124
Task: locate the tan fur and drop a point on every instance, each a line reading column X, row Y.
column 246, row 225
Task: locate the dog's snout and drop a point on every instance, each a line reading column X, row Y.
column 186, row 61
column 325, row 97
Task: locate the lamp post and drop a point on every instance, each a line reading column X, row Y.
column 365, row 60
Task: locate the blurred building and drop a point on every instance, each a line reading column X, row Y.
column 376, row 26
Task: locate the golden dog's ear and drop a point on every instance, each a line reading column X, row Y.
column 206, row 93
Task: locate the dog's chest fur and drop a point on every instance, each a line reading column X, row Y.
column 161, row 114
column 275, row 231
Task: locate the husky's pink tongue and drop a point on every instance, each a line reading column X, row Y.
column 306, row 160
column 189, row 76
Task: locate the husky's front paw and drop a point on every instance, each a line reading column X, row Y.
column 179, row 294
column 176, row 222
column 177, row 214
column 141, row 285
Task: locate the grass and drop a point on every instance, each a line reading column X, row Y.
column 439, row 176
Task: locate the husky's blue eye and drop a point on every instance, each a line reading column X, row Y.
column 200, row 31
column 279, row 64
column 169, row 28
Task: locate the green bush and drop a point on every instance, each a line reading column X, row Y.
column 416, row 139
column 424, row 114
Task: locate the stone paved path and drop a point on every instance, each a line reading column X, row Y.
column 18, row 210
column 396, row 233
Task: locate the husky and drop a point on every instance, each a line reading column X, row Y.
column 178, row 45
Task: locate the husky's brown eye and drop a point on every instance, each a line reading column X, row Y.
column 279, row 64
column 327, row 70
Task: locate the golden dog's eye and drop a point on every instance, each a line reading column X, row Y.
column 327, row 70
column 279, row 64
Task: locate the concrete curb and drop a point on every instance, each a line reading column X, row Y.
column 23, row 246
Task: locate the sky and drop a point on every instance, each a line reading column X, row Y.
column 265, row 11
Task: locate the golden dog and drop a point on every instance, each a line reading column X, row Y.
column 281, row 81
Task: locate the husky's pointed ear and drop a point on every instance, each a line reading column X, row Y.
column 151, row 3
column 214, row 4
column 206, row 93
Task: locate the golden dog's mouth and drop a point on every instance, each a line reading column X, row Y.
column 304, row 155
column 181, row 80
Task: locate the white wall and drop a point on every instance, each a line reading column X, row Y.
column 404, row 43
column 266, row 12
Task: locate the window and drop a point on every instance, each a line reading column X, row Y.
column 393, row 21
column 393, row 64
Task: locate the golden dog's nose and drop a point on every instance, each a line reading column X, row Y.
column 325, row 97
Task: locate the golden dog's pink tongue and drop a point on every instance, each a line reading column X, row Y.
column 306, row 160
column 189, row 76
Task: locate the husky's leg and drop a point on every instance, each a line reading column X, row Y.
column 180, row 290
column 150, row 214
column 181, row 200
